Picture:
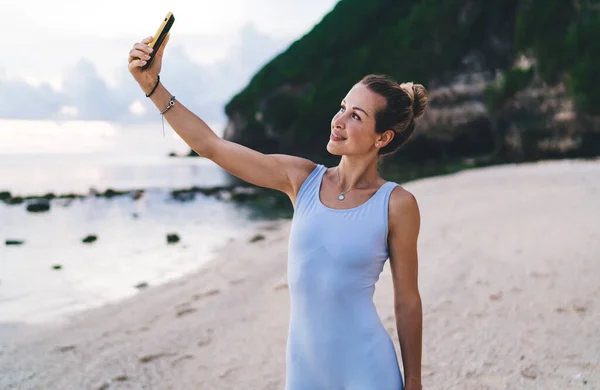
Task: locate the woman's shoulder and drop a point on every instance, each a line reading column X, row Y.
column 402, row 204
column 301, row 170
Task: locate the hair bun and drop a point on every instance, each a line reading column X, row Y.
column 418, row 96
column 419, row 100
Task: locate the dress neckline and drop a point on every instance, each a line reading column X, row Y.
column 320, row 182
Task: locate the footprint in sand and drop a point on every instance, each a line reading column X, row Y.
column 228, row 372
column 149, row 358
column 280, row 286
column 66, row 348
column 270, row 228
column 204, row 342
column 540, row 275
column 256, row 238
column 496, row 297
column 205, row 294
column 120, row 378
column 577, row 308
column 236, row 281
column 185, row 311
column 182, row 358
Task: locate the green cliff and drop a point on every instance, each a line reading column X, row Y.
column 508, row 80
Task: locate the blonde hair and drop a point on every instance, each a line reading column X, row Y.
column 405, row 104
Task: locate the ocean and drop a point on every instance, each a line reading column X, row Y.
column 40, row 157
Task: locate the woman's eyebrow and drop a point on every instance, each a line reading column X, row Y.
column 357, row 108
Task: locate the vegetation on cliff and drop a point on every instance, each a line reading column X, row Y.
column 289, row 103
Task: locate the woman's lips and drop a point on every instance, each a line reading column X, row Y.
column 334, row 137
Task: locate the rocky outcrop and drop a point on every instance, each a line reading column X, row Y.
column 488, row 102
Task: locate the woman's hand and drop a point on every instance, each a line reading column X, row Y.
column 138, row 56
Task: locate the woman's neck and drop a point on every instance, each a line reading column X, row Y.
column 357, row 172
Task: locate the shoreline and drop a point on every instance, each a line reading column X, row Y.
column 508, row 266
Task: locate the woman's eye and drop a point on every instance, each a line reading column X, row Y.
column 342, row 109
column 355, row 116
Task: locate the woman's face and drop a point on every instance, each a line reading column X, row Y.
column 353, row 126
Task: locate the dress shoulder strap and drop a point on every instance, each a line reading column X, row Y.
column 310, row 185
column 387, row 189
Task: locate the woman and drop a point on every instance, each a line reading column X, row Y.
column 347, row 222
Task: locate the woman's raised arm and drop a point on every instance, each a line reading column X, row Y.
column 277, row 171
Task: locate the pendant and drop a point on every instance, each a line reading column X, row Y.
column 341, row 196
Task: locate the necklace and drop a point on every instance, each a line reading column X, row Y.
column 343, row 193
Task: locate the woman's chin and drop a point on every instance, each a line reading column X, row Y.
column 332, row 149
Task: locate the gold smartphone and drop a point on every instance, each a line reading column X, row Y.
column 159, row 37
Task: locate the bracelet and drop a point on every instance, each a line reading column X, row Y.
column 171, row 104
column 155, row 85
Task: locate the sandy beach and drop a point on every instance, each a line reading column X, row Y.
column 509, row 277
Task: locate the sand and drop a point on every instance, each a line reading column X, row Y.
column 509, row 277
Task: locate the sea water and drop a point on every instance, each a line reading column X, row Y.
column 39, row 157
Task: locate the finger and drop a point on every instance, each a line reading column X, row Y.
column 143, row 47
column 147, row 40
column 136, row 64
column 137, row 55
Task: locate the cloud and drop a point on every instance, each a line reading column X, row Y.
column 85, row 95
column 90, row 95
column 21, row 100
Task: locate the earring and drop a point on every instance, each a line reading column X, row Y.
column 377, row 144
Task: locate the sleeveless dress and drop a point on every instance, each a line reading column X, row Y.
column 336, row 340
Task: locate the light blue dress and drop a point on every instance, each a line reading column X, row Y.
column 336, row 340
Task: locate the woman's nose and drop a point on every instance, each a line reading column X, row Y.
column 338, row 123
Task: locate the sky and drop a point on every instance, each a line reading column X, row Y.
column 67, row 59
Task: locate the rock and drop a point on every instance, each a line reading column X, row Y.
column 89, row 239
column 110, row 193
column 49, row 196
column 172, row 238
column 183, row 195
column 135, row 215
column 38, row 206
column 14, row 242
column 258, row 237
column 473, row 111
column 15, row 200
column 137, row 194
column 141, row 285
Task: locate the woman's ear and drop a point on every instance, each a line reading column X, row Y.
column 386, row 138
